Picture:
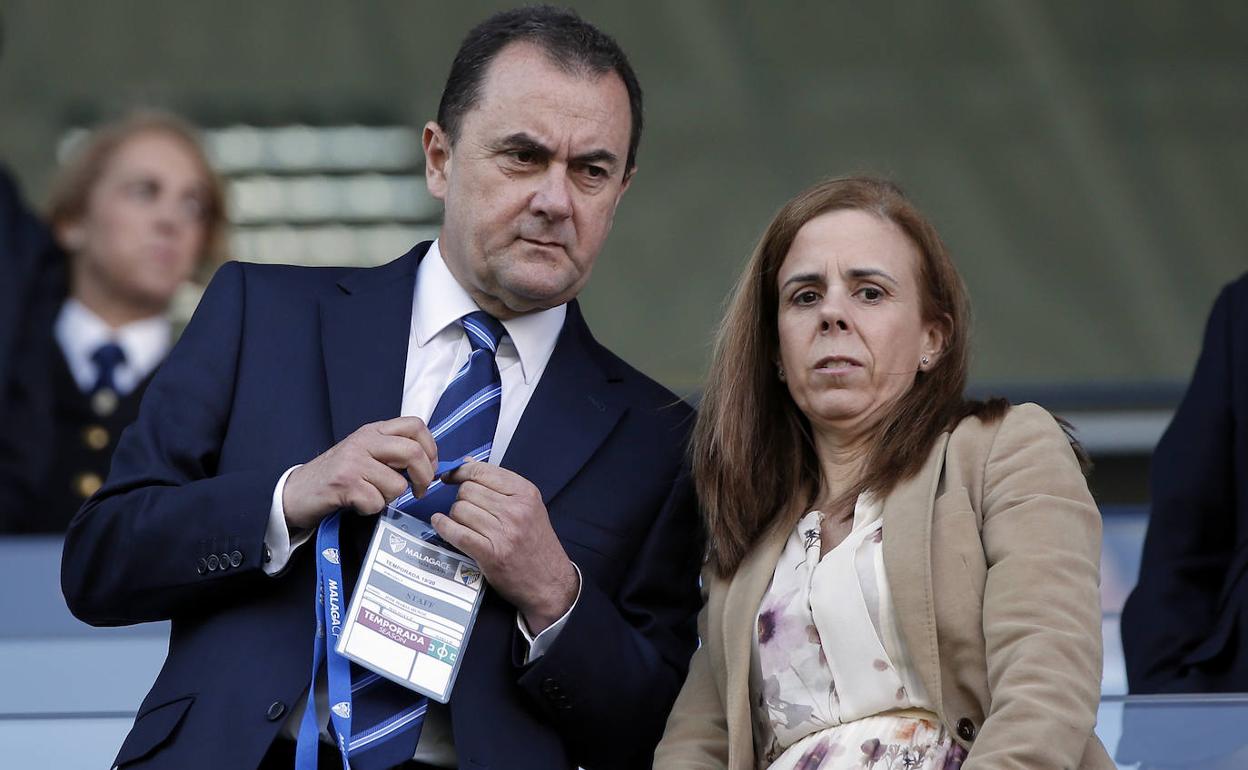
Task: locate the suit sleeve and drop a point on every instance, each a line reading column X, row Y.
column 616, row 667
column 1191, row 528
column 1042, row 614
column 696, row 735
column 145, row 546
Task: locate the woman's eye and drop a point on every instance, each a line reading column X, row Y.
column 807, row 297
column 871, row 293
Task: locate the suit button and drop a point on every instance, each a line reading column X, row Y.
column 201, row 566
column 236, row 558
column 95, row 437
column 86, row 484
column 276, row 709
column 551, row 688
column 966, row 729
column 213, row 563
column 224, row 560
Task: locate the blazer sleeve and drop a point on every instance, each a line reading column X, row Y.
column 620, row 659
column 1191, row 528
column 696, row 736
column 133, row 552
column 1042, row 615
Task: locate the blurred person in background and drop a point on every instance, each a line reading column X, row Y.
column 1185, row 625
column 136, row 211
column 897, row 577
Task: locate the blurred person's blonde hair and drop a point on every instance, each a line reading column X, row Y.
column 77, row 177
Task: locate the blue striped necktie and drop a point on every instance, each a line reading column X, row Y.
column 385, row 719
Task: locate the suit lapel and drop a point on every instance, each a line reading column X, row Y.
column 908, row 565
column 569, row 415
column 364, row 335
column 744, row 595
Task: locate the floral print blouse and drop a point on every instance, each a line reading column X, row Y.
column 834, row 686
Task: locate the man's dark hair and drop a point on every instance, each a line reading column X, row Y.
column 571, row 43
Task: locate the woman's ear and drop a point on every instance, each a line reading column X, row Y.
column 71, row 236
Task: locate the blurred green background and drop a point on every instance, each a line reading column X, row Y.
column 1086, row 162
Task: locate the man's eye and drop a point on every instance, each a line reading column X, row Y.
column 596, row 172
column 525, row 156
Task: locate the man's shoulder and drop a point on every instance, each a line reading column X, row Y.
column 643, row 391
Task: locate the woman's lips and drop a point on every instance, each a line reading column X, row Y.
column 837, row 364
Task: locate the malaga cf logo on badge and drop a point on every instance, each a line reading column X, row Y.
column 469, row 575
column 331, row 555
column 397, row 543
column 343, row 709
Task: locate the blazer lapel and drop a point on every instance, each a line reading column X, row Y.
column 569, row 415
column 908, row 565
column 364, row 334
column 741, row 602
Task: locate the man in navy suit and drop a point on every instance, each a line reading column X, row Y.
column 295, row 393
column 1185, row 626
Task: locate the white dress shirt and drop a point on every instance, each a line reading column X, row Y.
column 437, row 347
column 80, row 332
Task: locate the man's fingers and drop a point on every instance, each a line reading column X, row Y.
column 489, row 476
column 474, row 517
column 386, row 481
column 482, row 497
column 402, row 453
column 472, row 543
column 412, row 428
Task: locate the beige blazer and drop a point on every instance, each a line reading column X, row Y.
column 992, row 553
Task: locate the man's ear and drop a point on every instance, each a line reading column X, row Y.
column 437, row 146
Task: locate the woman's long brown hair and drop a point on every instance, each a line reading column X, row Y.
column 754, row 460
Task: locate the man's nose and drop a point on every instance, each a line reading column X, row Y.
column 553, row 198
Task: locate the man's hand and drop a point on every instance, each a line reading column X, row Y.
column 499, row 520
column 362, row 472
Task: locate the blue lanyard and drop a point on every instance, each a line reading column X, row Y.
column 331, row 607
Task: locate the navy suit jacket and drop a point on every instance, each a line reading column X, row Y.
column 1185, row 626
column 278, row 364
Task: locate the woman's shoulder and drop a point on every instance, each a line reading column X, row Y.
column 1016, row 425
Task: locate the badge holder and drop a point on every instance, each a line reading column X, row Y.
column 413, row 608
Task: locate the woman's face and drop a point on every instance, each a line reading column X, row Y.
column 145, row 224
column 851, row 332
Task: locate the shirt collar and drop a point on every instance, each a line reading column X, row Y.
column 79, row 331
column 440, row 301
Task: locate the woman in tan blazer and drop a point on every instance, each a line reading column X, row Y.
column 897, row 577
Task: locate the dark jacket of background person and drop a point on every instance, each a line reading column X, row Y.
column 1184, row 626
column 279, row 363
column 32, row 274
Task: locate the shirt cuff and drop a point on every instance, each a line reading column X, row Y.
column 279, row 546
column 538, row 645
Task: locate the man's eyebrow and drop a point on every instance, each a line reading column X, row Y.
column 522, row 141
column 604, row 157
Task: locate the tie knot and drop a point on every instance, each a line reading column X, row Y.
column 484, row 330
column 106, row 359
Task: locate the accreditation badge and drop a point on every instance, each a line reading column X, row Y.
column 413, row 608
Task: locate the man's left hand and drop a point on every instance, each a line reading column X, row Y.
column 499, row 520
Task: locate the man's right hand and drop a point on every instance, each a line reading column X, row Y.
column 361, row 472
